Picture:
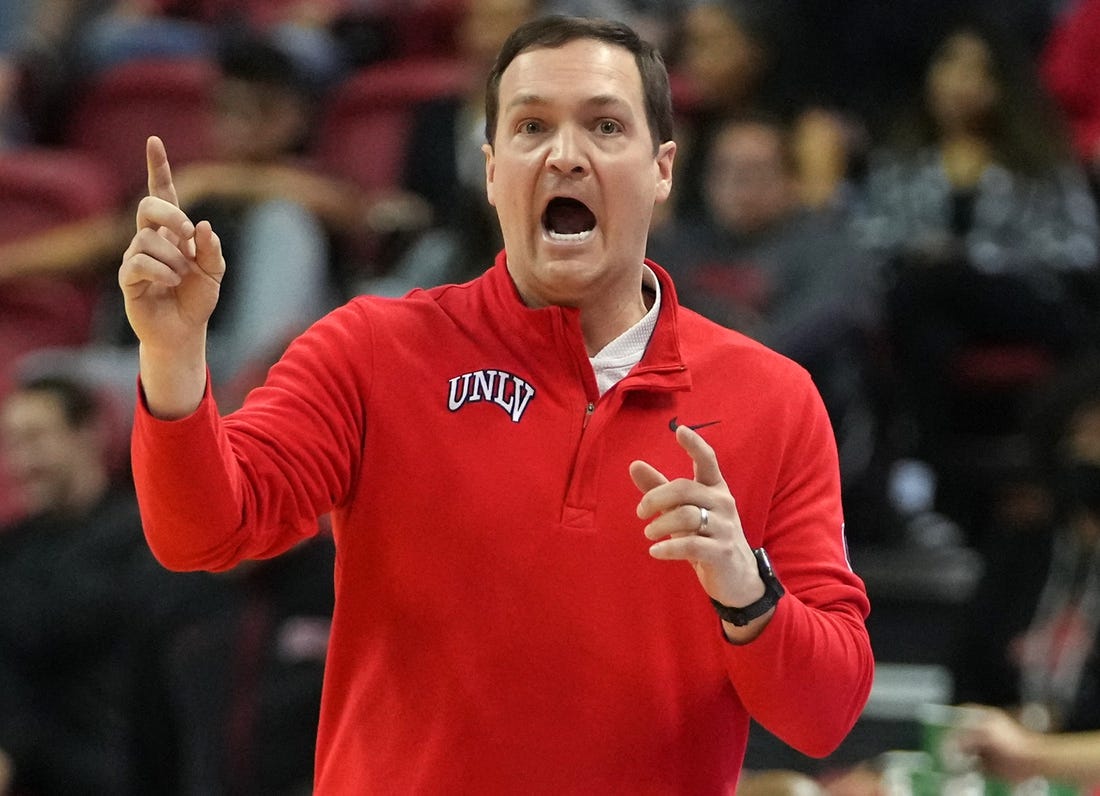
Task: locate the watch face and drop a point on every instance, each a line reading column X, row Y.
column 764, row 564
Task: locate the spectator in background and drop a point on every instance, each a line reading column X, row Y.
column 1030, row 643
column 284, row 221
column 1007, row 749
column 448, row 169
column 78, row 594
column 722, row 62
column 33, row 67
column 980, row 170
column 743, row 57
column 756, row 259
column 129, row 29
column 986, row 223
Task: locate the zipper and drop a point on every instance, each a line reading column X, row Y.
column 588, row 410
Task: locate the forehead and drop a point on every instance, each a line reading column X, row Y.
column 581, row 70
column 967, row 47
column 749, row 141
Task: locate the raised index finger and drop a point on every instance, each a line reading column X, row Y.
column 160, row 173
column 702, row 456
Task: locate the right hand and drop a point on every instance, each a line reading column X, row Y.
column 172, row 271
column 1002, row 745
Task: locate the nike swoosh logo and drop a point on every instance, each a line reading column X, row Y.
column 672, row 424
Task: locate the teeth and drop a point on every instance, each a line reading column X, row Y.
column 572, row 237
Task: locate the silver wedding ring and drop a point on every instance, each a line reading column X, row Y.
column 704, row 518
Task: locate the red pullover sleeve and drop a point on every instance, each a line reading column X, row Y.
column 807, row 676
column 214, row 491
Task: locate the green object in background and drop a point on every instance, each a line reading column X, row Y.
column 946, row 771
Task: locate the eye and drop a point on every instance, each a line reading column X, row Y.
column 609, row 126
column 530, row 126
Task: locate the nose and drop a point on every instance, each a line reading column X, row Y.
column 567, row 155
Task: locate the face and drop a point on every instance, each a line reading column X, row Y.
column 720, row 58
column 256, row 123
column 1083, row 442
column 43, row 453
column 962, row 88
column 573, row 175
column 747, row 186
column 487, row 24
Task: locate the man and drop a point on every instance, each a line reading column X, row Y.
column 509, row 617
column 756, row 259
column 61, row 699
column 72, row 576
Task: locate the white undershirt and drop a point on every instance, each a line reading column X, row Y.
column 614, row 360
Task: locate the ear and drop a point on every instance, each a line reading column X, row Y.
column 666, row 154
column 490, row 172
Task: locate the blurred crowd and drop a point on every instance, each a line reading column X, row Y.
column 902, row 197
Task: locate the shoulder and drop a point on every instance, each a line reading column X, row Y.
column 705, row 344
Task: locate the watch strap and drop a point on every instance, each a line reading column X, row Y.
column 773, row 590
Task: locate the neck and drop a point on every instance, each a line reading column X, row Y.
column 965, row 158
column 1087, row 526
column 601, row 325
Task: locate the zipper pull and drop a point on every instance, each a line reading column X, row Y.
column 588, row 410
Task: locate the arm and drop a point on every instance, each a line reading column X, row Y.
column 819, row 619
column 71, row 248
column 1009, row 750
column 215, row 490
column 213, row 493
column 340, row 205
column 808, row 676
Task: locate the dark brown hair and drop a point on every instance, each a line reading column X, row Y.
column 79, row 403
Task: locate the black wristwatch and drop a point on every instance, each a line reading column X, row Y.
column 773, row 590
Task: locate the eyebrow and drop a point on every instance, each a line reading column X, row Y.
column 598, row 101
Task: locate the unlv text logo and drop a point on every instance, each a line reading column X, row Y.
column 510, row 393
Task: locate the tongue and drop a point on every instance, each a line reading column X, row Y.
column 568, row 217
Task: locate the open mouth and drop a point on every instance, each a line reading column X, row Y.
column 568, row 220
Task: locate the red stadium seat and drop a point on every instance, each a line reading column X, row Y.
column 365, row 124
column 420, row 28
column 41, row 187
column 121, row 107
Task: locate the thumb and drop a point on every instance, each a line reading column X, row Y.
column 646, row 476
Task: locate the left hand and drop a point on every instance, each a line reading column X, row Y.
column 719, row 553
